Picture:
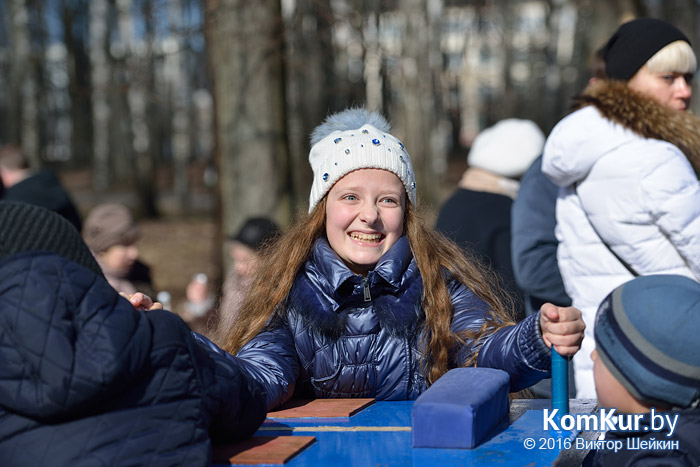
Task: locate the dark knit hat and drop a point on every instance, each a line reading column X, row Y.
column 255, row 232
column 109, row 224
column 634, row 43
column 646, row 333
column 25, row 227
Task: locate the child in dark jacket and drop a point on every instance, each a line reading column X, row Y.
column 86, row 379
column 647, row 362
column 361, row 299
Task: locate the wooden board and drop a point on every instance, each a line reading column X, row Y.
column 320, row 408
column 261, row 450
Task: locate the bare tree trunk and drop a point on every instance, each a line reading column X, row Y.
column 244, row 43
column 416, row 114
column 175, row 73
column 310, row 83
column 100, row 84
column 79, row 76
column 373, row 61
column 23, row 92
column 139, row 63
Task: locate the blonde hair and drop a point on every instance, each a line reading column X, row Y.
column 434, row 255
column 677, row 57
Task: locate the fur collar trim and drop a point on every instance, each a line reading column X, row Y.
column 620, row 104
column 324, row 307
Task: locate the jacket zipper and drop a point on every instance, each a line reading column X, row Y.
column 365, row 284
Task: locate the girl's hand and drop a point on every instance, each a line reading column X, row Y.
column 142, row 302
column 562, row 327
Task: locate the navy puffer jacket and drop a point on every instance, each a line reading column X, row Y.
column 87, row 380
column 345, row 335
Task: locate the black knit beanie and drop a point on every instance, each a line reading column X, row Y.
column 25, row 227
column 634, row 43
column 256, row 231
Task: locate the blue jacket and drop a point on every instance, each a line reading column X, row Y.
column 345, row 335
column 87, row 380
column 533, row 242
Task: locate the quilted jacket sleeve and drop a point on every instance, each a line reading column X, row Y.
column 235, row 400
column 518, row 349
column 271, row 359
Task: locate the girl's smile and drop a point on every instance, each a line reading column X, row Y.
column 364, row 217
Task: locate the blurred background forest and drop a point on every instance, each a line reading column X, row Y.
column 196, row 113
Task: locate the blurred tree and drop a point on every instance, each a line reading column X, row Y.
column 100, row 74
column 23, row 105
column 441, row 70
column 145, row 150
column 74, row 20
column 416, row 110
column 178, row 80
column 311, row 85
column 245, row 46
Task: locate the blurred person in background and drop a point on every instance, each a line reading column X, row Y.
column 200, row 312
column 111, row 233
column 23, row 184
column 478, row 214
column 626, row 161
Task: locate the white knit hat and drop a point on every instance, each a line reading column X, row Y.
column 356, row 139
column 508, row 148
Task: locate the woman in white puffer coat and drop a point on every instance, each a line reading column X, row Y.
column 627, row 163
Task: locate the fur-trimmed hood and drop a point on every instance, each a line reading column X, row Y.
column 325, row 291
column 579, row 140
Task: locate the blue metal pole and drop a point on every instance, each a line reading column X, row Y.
column 560, row 383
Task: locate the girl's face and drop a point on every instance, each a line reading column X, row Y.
column 364, row 217
column 671, row 90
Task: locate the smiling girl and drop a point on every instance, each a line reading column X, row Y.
column 361, row 299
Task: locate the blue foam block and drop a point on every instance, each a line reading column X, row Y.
column 460, row 409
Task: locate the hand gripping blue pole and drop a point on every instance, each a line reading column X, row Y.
column 560, row 383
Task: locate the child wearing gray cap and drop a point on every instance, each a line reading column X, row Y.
column 647, row 362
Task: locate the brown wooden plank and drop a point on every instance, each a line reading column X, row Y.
column 320, row 408
column 261, row 450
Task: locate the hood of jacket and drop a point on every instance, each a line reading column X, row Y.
column 580, row 139
column 100, row 345
column 326, row 290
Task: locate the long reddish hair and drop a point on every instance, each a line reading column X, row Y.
column 281, row 261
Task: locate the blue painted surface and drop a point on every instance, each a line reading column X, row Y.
column 504, row 446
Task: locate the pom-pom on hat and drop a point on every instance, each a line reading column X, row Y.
column 356, row 139
column 109, row 224
column 25, row 227
column 507, row 148
column 646, row 333
column 634, row 43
